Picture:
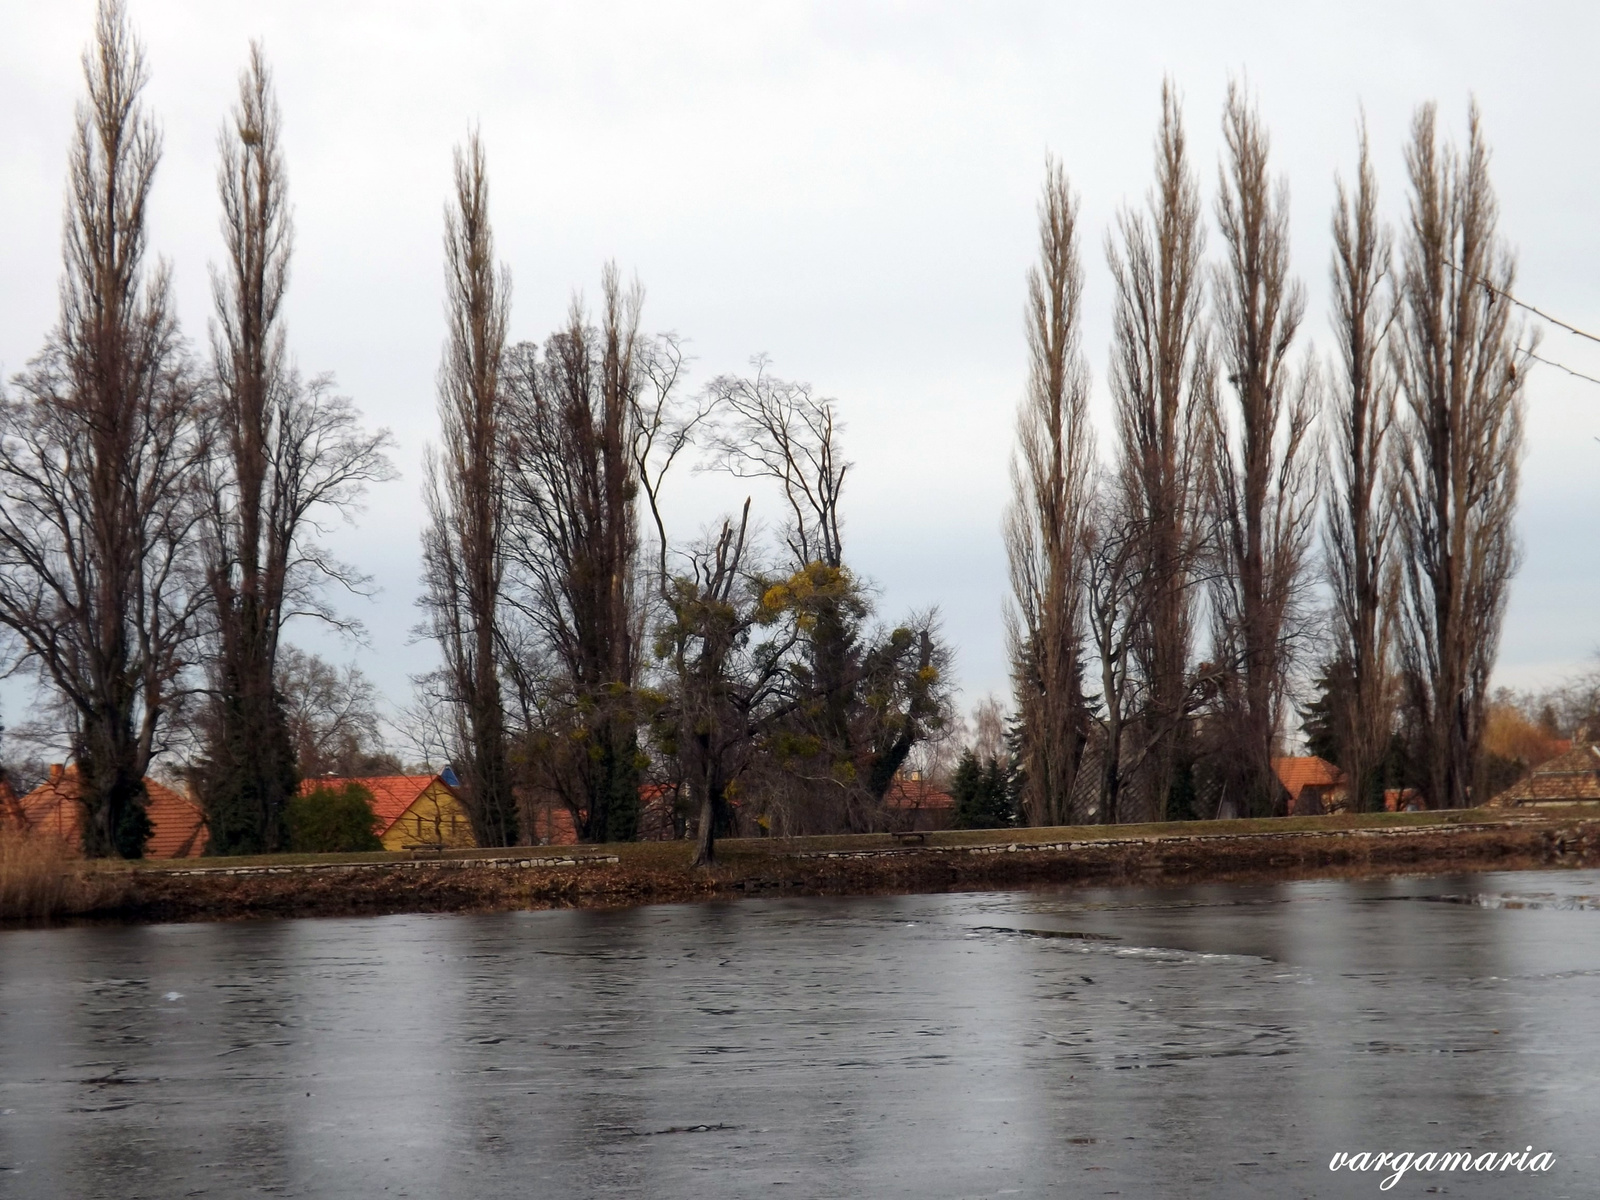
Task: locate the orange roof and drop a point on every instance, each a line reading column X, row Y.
column 1567, row 778
column 1396, row 799
column 916, row 793
column 552, row 826
column 391, row 794
column 178, row 827
column 1297, row 774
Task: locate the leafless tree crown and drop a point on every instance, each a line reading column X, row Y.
column 286, row 454
column 1459, row 446
column 1359, row 526
column 572, row 552
column 1160, row 385
column 464, row 545
column 1051, row 481
column 99, row 464
column 1261, row 488
column 774, row 429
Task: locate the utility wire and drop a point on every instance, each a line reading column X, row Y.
column 1560, row 367
column 1538, row 312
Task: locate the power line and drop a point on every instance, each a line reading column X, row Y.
column 1560, row 367
column 1538, row 312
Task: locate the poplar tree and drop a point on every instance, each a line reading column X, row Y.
column 100, row 465
column 1160, row 385
column 464, row 546
column 1459, row 448
column 1260, row 486
column 1360, row 512
column 1051, row 485
column 284, row 453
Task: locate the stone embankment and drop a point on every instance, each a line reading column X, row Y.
column 660, row 872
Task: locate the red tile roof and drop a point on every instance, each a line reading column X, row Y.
column 1397, row 799
column 1298, row 773
column 1569, row 778
column 552, row 826
column 178, row 828
column 391, row 794
column 916, row 793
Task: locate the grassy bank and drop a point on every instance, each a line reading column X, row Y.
column 644, row 873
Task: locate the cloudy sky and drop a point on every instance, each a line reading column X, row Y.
column 848, row 188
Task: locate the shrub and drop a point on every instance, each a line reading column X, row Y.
column 329, row 820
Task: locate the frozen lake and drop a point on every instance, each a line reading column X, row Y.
column 1216, row 1041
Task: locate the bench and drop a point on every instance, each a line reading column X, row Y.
column 424, row 849
column 910, row 837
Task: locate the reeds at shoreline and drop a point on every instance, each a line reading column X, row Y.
column 40, row 877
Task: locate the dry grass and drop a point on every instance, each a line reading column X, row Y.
column 41, row 878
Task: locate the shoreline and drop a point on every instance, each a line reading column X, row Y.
column 873, row 864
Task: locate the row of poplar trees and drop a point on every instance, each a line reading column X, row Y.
column 1245, row 470
column 161, row 508
column 585, row 663
column 158, row 507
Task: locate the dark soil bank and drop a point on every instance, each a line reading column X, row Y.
column 660, row 874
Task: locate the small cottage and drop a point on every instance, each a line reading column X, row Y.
column 1403, row 800
column 412, row 810
column 1570, row 778
column 1312, row 785
column 178, row 827
column 914, row 804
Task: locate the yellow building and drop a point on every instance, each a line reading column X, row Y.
column 412, row 810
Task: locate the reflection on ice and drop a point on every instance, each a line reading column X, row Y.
column 1200, row 1041
column 1515, row 900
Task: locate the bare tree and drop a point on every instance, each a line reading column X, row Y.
column 285, row 452
column 1260, row 485
column 332, row 716
column 1051, row 482
column 662, row 427
column 859, row 699
column 1360, row 516
column 1115, row 596
column 99, row 461
column 783, row 431
column 464, row 545
column 774, row 429
column 724, row 677
column 572, row 545
column 1459, row 446
column 1118, row 599
column 988, row 732
column 1160, row 381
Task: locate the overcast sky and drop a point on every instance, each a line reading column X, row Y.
column 848, row 188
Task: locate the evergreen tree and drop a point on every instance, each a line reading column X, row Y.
column 983, row 794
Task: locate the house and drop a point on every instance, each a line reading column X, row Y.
column 1402, row 800
column 178, row 827
column 663, row 815
column 412, row 810
column 548, row 822
column 1312, row 785
column 1570, row 778
column 914, row 804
